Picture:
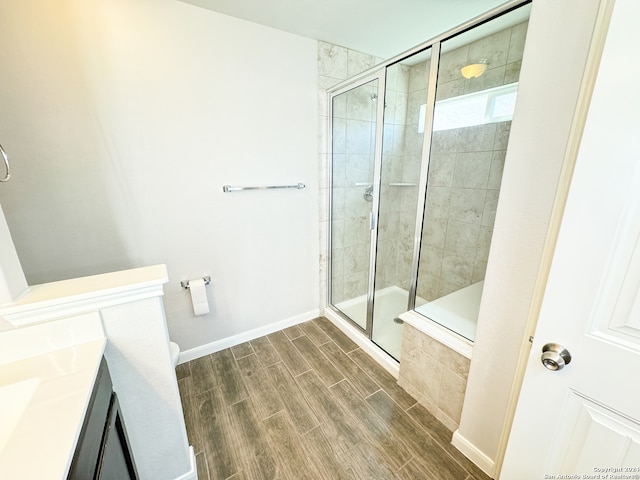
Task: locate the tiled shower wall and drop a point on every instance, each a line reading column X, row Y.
column 401, row 158
column 353, row 136
column 464, row 176
column 466, row 171
column 350, row 261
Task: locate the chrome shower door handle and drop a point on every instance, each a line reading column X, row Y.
column 555, row 356
column 368, row 193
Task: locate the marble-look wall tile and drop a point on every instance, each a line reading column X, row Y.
column 503, row 129
column 435, row 231
column 411, row 168
column 360, row 104
column 490, row 207
column 497, row 168
column 355, row 204
column 415, row 99
column 339, row 169
column 456, row 268
column 467, row 205
column 438, row 203
column 358, row 169
column 419, row 76
column 451, row 62
column 428, row 287
column 512, row 72
column 434, row 374
column 339, row 136
column 453, row 88
column 355, row 284
column 332, row 60
column 323, row 177
column 462, row 239
column 494, row 49
column 441, row 169
column 358, row 62
column 360, row 137
column 433, row 260
column 484, row 242
column 337, row 289
column 357, row 232
column 472, row 169
column 516, row 43
column 479, row 270
column 338, row 203
column 451, row 394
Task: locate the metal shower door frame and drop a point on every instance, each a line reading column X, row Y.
column 380, row 76
column 379, row 72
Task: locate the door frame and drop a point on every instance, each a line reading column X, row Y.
column 557, row 214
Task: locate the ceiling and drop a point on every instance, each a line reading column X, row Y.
column 383, row 28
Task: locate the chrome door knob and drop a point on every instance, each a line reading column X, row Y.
column 555, row 356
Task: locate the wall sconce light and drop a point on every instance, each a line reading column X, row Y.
column 474, row 70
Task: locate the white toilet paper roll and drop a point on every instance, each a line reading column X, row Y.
column 199, row 296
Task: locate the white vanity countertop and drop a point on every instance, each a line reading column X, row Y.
column 47, row 373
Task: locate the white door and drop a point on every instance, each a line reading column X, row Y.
column 583, row 421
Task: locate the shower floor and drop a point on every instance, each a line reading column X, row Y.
column 390, row 302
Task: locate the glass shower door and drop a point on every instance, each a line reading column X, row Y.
column 403, row 139
column 353, row 131
column 417, row 154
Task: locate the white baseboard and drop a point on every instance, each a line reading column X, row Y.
column 234, row 340
column 192, row 474
column 470, row 451
column 385, row 361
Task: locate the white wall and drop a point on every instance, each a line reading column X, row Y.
column 552, row 70
column 124, row 118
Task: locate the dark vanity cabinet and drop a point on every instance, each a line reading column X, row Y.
column 103, row 449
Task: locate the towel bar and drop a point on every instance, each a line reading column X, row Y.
column 229, row 188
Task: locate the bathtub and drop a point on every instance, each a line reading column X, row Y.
column 456, row 315
column 457, row 311
column 451, row 319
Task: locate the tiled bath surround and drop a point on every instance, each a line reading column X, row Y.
column 433, row 374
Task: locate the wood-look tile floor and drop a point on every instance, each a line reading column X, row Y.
column 307, row 403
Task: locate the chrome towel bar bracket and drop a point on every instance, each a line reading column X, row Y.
column 5, row 158
column 185, row 283
column 229, row 188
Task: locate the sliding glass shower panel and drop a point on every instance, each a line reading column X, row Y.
column 353, row 147
column 403, row 137
column 476, row 93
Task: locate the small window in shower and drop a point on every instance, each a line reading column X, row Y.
column 487, row 106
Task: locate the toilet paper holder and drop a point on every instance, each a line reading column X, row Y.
column 185, row 283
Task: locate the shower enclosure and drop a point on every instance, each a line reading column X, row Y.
column 417, row 150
